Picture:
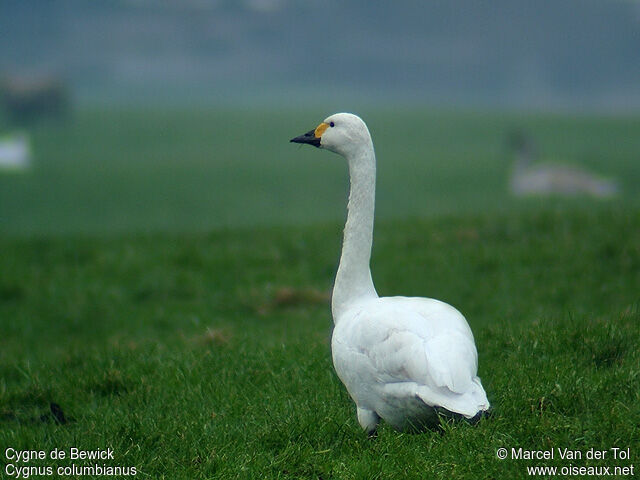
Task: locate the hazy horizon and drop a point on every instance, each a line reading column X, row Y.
column 575, row 55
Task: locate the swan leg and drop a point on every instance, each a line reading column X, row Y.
column 368, row 419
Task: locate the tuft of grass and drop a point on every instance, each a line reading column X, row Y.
column 207, row 355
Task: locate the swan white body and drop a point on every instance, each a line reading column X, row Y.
column 402, row 359
column 15, row 152
column 529, row 177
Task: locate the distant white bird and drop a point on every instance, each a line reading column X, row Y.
column 531, row 178
column 402, row 359
column 15, row 152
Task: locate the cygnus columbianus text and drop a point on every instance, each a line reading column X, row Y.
column 402, row 359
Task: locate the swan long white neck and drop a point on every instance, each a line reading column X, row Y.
column 353, row 280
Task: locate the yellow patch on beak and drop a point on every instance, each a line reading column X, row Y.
column 320, row 129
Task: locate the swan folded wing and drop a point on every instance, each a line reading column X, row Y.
column 452, row 361
column 448, row 360
column 440, row 370
column 453, row 364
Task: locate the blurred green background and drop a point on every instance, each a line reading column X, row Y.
column 196, row 169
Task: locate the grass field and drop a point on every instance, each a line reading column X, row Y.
column 201, row 352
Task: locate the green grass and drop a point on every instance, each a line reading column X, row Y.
column 206, row 355
column 149, row 171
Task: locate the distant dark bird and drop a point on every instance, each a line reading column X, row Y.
column 28, row 98
column 57, row 413
column 530, row 177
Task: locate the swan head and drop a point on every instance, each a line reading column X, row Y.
column 342, row 133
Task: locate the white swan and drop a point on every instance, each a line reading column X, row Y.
column 15, row 152
column 402, row 359
column 531, row 177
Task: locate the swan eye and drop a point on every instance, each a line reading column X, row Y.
column 331, row 124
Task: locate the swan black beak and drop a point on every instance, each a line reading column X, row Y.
column 309, row 137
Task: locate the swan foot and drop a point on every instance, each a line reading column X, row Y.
column 368, row 419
